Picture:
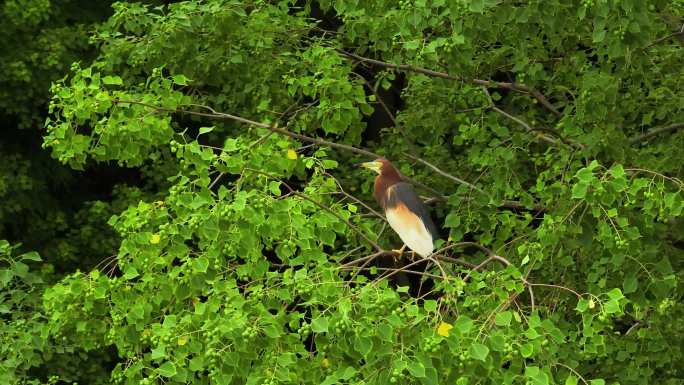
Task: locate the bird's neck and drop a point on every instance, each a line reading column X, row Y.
column 382, row 183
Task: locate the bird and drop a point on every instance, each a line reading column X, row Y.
column 405, row 211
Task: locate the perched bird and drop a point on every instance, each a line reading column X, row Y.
column 404, row 210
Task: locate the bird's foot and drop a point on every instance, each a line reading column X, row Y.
column 399, row 252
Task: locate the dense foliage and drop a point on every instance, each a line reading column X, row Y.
column 246, row 249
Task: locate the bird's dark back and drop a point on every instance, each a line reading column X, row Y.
column 404, row 192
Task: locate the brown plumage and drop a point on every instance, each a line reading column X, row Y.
column 404, row 210
column 387, row 177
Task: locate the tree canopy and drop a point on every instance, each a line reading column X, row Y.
column 185, row 209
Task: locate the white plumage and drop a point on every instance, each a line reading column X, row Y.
column 411, row 230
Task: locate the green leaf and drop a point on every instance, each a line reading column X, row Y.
column 504, row 318
column 180, row 79
column 430, row 305
column 363, row 345
column 167, row 369
column 582, row 305
column 478, row 351
column 571, row 380
column 417, row 369
column 20, row 269
column 526, row 350
column 112, row 80
column 615, row 294
column 536, row 375
column 579, row 191
column 319, row 325
column 200, row 264
column 452, row 220
column 5, row 276
column 204, row 130
column 131, row 272
column 31, row 256
column 158, row 352
column 477, row 6
column 464, row 324
column 274, row 187
column 598, row 35
column 630, row 284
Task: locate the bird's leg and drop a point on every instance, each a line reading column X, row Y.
column 400, row 252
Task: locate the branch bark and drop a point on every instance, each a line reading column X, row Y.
column 223, row 115
column 487, row 83
column 654, row 132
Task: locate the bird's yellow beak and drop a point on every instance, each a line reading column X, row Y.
column 375, row 166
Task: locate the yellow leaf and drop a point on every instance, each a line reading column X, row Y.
column 182, row 341
column 325, row 363
column 155, row 239
column 291, row 154
column 443, row 329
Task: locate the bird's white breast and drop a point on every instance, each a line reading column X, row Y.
column 411, row 229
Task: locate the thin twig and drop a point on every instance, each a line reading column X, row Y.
column 530, row 129
column 324, row 207
column 394, row 269
column 220, row 175
column 455, row 261
column 355, row 199
column 444, row 174
column 401, row 269
column 529, row 289
column 578, row 295
column 273, row 128
column 573, row 371
column 389, row 113
column 484, row 263
column 527, row 127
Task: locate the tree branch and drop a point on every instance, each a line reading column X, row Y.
column 223, row 115
column 324, row 207
column 444, row 174
column 530, row 129
column 487, row 83
column 668, row 37
column 654, row 132
column 506, row 204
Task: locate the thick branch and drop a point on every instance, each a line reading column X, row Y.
column 677, row 34
column 487, row 83
column 223, row 115
column 654, row 132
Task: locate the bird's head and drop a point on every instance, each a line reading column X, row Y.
column 380, row 165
